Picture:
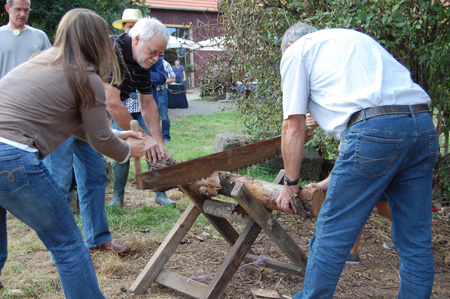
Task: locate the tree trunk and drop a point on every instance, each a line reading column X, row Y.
column 222, row 182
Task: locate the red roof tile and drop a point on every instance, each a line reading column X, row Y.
column 202, row 5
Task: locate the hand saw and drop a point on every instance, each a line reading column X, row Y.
column 165, row 178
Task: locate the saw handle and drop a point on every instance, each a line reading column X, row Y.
column 137, row 161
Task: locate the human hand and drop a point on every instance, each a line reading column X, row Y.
column 129, row 133
column 310, row 120
column 285, row 201
column 323, row 185
column 137, row 146
column 155, row 150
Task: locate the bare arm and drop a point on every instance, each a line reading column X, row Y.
column 292, row 148
column 170, row 80
column 117, row 109
column 149, row 110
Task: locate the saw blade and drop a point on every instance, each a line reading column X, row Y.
column 168, row 177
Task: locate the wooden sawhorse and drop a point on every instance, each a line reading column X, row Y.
column 260, row 218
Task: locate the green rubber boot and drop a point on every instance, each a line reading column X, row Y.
column 162, row 199
column 120, row 172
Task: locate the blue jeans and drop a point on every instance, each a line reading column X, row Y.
column 28, row 192
column 90, row 175
column 392, row 155
column 121, row 170
column 163, row 105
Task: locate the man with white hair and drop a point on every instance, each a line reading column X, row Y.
column 360, row 94
column 158, row 77
column 136, row 52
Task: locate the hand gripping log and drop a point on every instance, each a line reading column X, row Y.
column 137, row 161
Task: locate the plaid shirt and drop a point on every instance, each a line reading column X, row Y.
column 132, row 104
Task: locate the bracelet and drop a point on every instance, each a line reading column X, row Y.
column 289, row 182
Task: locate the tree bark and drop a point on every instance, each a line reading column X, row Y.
column 222, row 182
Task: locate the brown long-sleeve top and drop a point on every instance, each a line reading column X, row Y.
column 37, row 108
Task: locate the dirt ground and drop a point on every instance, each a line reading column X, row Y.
column 377, row 276
column 204, row 250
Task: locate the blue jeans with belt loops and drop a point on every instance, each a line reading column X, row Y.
column 90, row 175
column 28, row 192
column 391, row 155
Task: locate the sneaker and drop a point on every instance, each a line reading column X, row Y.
column 389, row 245
column 1, row 285
column 353, row 259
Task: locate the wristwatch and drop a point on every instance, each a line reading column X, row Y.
column 289, row 182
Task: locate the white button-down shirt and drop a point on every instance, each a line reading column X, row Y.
column 336, row 72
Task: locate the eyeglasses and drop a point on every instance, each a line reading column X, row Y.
column 152, row 53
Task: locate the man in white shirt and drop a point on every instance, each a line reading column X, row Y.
column 360, row 94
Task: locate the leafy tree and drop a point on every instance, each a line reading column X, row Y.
column 46, row 14
column 416, row 32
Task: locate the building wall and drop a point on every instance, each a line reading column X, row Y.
column 190, row 19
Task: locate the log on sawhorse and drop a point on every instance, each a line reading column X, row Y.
column 259, row 218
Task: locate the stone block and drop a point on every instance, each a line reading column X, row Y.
column 225, row 142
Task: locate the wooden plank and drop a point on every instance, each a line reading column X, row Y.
column 164, row 178
column 225, row 210
column 231, row 263
column 165, row 250
column 271, row 227
column 221, row 225
column 276, row 265
column 179, row 283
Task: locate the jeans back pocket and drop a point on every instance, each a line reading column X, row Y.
column 374, row 156
column 13, row 175
column 433, row 144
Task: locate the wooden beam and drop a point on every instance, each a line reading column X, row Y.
column 180, row 283
column 231, row 263
column 221, row 225
column 165, row 250
column 222, row 182
column 271, row 227
column 225, row 210
column 276, row 265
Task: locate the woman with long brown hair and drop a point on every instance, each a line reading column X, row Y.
column 58, row 93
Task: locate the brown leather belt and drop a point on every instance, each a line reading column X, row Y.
column 385, row 110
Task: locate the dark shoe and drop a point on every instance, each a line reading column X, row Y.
column 353, row 259
column 1, row 285
column 110, row 246
column 162, row 199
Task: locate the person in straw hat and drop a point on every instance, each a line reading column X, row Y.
column 129, row 17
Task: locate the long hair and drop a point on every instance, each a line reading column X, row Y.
column 82, row 41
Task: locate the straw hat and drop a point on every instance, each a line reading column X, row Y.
column 129, row 15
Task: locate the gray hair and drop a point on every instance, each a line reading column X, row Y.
column 148, row 27
column 294, row 33
column 11, row 2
